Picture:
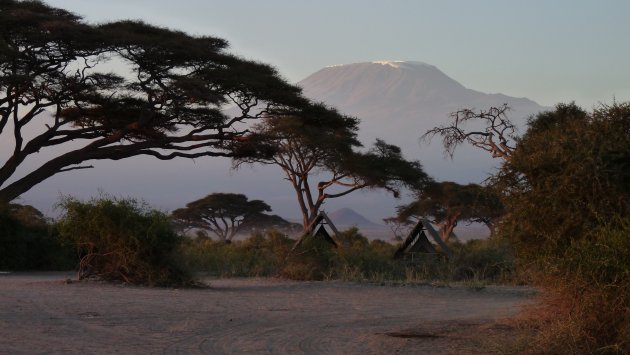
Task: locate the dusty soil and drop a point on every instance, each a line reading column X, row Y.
column 45, row 313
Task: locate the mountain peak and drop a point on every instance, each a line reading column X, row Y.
column 374, row 85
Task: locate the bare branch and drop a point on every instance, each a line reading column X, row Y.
column 495, row 137
column 76, row 168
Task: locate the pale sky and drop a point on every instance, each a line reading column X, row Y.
column 548, row 51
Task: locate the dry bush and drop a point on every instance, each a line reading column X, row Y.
column 123, row 240
column 585, row 304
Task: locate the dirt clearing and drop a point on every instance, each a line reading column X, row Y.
column 44, row 313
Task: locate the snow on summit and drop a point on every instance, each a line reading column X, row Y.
column 398, row 64
column 391, row 63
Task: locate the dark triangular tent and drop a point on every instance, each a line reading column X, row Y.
column 434, row 234
column 323, row 233
column 317, row 229
column 417, row 241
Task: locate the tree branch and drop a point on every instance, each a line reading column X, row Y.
column 497, row 127
column 76, row 168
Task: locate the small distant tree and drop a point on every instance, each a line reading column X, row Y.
column 447, row 203
column 223, row 214
column 317, row 149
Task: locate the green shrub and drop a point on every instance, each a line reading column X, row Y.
column 123, row 240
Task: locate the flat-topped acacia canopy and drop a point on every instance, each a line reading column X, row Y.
column 166, row 98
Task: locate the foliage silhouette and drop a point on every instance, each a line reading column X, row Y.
column 165, row 101
column 226, row 215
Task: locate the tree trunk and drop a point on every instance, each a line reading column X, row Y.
column 447, row 226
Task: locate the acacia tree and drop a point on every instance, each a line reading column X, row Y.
column 165, row 101
column 317, row 151
column 447, row 203
column 224, row 214
column 496, row 135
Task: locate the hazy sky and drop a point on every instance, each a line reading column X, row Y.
column 548, row 51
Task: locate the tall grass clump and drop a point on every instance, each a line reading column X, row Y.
column 258, row 255
column 122, row 240
column 585, row 303
column 489, row 260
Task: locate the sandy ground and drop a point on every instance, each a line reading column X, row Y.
column 43, row 313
